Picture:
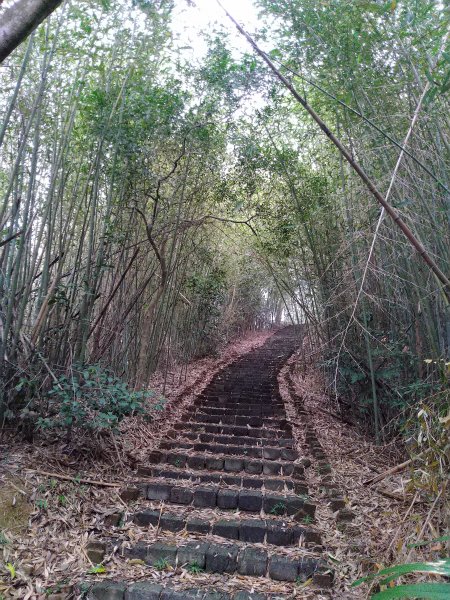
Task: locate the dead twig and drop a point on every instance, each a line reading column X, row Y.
column 75, row 479
column 395, row 469
column 391, row 495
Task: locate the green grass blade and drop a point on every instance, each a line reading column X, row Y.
column 443, row 538
column 424, row 591
column 439, row 567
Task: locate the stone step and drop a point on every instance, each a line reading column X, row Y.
column 217, row 416
column 256, row 411
column 266, row 452
column 148, row 590
column 246, row 530
column 254, row 483
column 214, row 404
column 255, row 391
column 216, row 438
column 244, row 411
column 210, row 496
column 224, row 428
column 252, row 383
column 237, row 402
column 268, row 394
column 220, row 462
column 229, row 558
column 261, row 405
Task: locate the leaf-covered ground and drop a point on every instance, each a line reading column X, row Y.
column 48, row 521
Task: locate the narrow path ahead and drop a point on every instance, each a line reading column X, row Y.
column 229, row 484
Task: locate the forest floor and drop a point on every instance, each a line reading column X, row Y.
column 389, row 517
column 55, row 495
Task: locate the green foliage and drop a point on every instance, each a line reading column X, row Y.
column 161, row 564
column 194, row 568
column 425, row 591
column 226, row 79
column 278, row 509
column 207, row 289
column 97, row 570
column 438, row 591
column 91, row 398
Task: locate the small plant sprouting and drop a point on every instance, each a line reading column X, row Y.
column 42, row 504
column 3, row 539
column 55, row 589
column 194, row 568
column 161, row 564
column 307, row 519
column 62, row 500
column 278, row 509
column 97, row 569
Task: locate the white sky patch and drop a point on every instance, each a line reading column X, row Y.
column 188, row 23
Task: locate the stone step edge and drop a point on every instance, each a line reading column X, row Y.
column 222, row 439
column 227, row 558
column 226, row 478
column 261, row 422
column 245, row 500
column 231, row 429
column 220, row 411
column 242, row 530
column 263, row 452
column 250, row 465
column 237, row 403
column 239, row 411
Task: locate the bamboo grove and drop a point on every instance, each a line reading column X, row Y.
column 154, row 207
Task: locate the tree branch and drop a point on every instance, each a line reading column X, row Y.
column 20, row 19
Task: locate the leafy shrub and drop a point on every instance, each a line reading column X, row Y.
column 91, row 398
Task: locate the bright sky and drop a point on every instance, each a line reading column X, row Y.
column 189, row 21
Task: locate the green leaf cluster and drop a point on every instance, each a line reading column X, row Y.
column 91, row 398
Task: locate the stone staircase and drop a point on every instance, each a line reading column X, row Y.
column 229, row 484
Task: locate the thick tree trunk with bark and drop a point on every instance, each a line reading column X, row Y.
column 19, row 20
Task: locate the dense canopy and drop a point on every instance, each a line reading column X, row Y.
column 162, row 193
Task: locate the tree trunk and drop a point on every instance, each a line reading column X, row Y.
column 19, row 20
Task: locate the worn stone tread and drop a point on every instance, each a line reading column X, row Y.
column 229, row 558
column 230, row 477
column 148, row 590
column 252, row 465
column 211, row 496
column 242, row 528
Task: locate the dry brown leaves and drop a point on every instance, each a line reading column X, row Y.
column 388, row 517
